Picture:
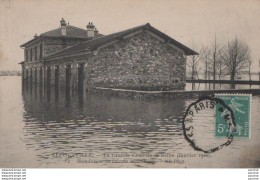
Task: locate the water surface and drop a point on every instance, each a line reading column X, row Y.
column 37, row 125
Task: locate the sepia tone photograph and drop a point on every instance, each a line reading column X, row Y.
column 129, row 84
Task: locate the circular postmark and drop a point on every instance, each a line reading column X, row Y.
column 200, row 127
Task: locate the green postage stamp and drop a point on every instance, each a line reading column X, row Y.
column 240, row 106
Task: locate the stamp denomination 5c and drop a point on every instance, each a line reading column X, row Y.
column 240, row 105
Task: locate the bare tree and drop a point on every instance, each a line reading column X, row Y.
column 249, row 69
column 193, row 62
column 205, row 59
column 220, row 70
column 235, row 57
column 259, row 69
column 215, row 46
column 212, row 59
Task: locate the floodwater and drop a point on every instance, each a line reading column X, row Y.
column 40, row 129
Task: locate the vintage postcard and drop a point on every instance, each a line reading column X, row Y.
column 129, row 84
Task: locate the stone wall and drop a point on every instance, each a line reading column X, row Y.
column 141, row 62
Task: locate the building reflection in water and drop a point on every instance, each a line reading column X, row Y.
column 64, row 121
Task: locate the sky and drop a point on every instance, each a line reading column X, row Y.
column 187, row 21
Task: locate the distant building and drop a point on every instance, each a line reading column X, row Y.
column 138, row 58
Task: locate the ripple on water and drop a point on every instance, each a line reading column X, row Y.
column 103, row 124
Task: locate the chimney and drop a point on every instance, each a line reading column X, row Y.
column 95, row 32
column 35, row 36
column 91, row 30
column 63, row 27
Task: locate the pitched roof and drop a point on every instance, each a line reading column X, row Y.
column 97, row 42
column 91, row 44
column 71, row 32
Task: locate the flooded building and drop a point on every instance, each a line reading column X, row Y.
column 141, row 58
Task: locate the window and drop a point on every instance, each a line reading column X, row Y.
column 31, row 55
column 40, row 51
column 35, row 54
column 26, row 55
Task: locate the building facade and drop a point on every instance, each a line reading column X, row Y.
column 140, row 58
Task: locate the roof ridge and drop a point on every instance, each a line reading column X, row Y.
column 77, row 28
column 114, row 33
column 70, row 26
column 49, row 31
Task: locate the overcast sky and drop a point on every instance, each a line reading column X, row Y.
column 187, row 21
